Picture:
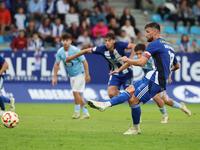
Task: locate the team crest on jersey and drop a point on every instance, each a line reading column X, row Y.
column 147, row 54
column 115, row 53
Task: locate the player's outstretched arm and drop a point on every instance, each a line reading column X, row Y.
column 56, row 67
column 82, row 52
column 175, row 67
column 87, row 75
column 136, row 62
column 4, row 67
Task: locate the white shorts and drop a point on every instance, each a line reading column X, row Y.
column 78, row 83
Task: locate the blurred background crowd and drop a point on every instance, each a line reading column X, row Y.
column 32, row 25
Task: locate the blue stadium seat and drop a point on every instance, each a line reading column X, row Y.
column 195, row 30
column 8, row 48
column 2, row 41
column 169, row 30
column 182, row 30
column 156, row 18
column 178, row 41
column 191, row 40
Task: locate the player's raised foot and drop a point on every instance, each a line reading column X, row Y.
column 76, row 116
column 85, row 116
column 165, row 118
column 12, row 104
column 135, row 129
column 2, row 112
column 97, row 105
column 184, row 109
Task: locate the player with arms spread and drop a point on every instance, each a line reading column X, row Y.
column 78, row 72
column 112, row 51
column 155, row 81
column 139, row 50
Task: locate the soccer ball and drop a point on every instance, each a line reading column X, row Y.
column 10, row 119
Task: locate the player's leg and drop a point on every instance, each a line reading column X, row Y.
column 135, row 112
column 113, row 91
column 3, row 109
column 77, row 102
column 161, row 107
column 78, row 86
column 119, row 99
column 174, row 104
column 86, row 114
column 11, row 102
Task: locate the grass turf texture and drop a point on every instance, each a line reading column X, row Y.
column 49, row 126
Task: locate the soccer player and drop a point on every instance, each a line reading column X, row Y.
column 78, row 72
column 111, row 51
column 139, row 50
column 3, row 67
column 155, row 81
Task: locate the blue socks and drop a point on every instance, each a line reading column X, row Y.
column 2, row 103
column 163, row 110
column 84, row 109
column 77, row 108
column 5, row 99
column 121, row 98
column 176, row 105
column 136, row 113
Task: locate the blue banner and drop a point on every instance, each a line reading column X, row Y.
column 62, row 93
column 29, row 78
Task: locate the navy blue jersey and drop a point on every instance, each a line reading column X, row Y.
column 164, row 59
column 113, row 56
column 2, row 60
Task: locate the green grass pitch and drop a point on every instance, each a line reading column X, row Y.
column 50, row 127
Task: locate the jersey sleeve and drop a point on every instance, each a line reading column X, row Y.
column 150, row 50
column 134, row 57
column 2, row 60
column 123, row 45
column 98, row 49
column 175, row 61
column 58, row 58
column 80, row 58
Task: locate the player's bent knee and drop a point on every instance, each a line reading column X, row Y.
column 130, row 89
column 133, row 100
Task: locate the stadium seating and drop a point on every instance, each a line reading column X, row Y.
column 156, row 18
column 182, row 30
column 169, row 30
column 198, row 41
column 8, row 48
column 178, row 41
column 195, row 30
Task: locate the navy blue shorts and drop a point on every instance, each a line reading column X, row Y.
column 145, row 89
column 118, row 81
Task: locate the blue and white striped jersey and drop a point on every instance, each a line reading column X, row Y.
column 149, row 65
column 57, row 31
column 113, row 56
column 164, row 59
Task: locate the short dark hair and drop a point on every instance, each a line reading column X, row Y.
column 139, row 47
column 153, row 25
column 66, row 36
column 110, row 35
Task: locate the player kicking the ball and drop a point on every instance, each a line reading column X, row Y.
column 78, row 72
column 155, row 81
column 139, row 50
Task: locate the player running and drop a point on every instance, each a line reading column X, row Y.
column 139, row 50
column 78, row 72
column 3, row 67
column 155, row 81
